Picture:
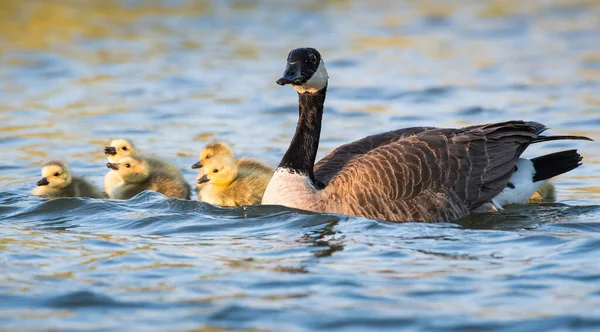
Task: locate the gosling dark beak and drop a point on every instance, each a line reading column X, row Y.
column 113, row 166
column 43, row 182
column 203, row 179
column 198, row 165
column 291, row 75
column 110, row 150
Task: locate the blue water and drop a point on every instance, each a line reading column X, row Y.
column 173, row 75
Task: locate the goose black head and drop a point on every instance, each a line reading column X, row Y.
column 305, row 71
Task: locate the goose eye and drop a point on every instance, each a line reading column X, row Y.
column 215, row 170
column 124, row 148
column 207, row 156
column 56, row 174
column 127, row 165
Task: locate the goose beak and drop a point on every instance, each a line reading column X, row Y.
column 198, row 165
column 110, row 150
column 203, row 179
column 113, row 166
column 291, row 75
column 43, row 182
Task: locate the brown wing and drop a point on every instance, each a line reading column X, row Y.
column 431, row 175
column 331, row 164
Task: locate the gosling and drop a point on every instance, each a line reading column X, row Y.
column 224, row 185
column 244, row 164
column 545, row 194
column 121, row 148
column 136, row 175
column 57, row 181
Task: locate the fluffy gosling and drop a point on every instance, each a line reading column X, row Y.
column 224, row 185
column 121, row 148
column 57, row 181
column 223, row 149
column 136, row 175
column 545, row 194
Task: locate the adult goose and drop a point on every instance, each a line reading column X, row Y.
column 413, row 174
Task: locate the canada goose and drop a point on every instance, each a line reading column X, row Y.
column 121, row 148
column 57, row 181
column 223, row 184
column 414, row 174
column 136, row 176
column 244, row 164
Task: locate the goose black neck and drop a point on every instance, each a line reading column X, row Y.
column 300, row 156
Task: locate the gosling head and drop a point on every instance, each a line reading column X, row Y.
column 212, row 150
column 130, row 169
column 118, row 149
column 305, row 71
column 55, row 175
column 220, row 170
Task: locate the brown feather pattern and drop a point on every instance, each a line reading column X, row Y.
column 423, row 174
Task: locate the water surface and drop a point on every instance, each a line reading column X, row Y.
column 173, row 75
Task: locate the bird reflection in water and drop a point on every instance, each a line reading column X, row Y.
column 321, row 238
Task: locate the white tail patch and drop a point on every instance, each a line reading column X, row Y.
column 521, row 185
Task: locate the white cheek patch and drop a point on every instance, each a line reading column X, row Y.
column 317, row 82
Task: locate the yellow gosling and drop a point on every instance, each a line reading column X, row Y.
column 223, row 184
column 545, row 194
column 136, row 176
column 244, row 164
column 121, row 148
column 57, row 181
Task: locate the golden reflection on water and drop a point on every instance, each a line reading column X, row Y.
column 45, row 23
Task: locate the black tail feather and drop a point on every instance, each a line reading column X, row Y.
column 551, row 165
column 556, row 138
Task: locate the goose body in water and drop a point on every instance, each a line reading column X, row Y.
column 413, row 174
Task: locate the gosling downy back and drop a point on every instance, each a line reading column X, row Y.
column 224, row 185
column 57, row 181
column 136, row 176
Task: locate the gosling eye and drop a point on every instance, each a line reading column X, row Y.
column 215, row 170
column 127, row 165
column 207, row 156
column 56, row 174
column 124, row 148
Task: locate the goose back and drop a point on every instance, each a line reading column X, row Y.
column 331, row 164
column 423, row 174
